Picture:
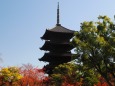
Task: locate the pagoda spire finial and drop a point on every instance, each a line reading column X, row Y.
column 58, row 19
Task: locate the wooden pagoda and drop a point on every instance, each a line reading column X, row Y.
column 57, row 44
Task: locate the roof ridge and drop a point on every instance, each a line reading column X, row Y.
column 67, row 28
column 61, row 29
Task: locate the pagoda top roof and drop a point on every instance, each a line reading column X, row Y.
column 58, row 29
column 61, row 29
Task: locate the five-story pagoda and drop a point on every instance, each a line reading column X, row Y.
column 57, row 43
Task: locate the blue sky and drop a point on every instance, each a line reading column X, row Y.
column 23, row 22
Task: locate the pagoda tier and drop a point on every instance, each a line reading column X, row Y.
column 56, row 57
column 55, row 46
column 58, row 33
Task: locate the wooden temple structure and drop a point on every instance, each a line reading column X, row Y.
column 57, row 44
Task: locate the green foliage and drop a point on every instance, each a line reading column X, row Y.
column 95, row 45
column 57, row 79
column 64, row 73
column 73, row 74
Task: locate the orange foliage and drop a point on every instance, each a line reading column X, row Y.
column 75, row 84
column 31, row 76
column 102, row 84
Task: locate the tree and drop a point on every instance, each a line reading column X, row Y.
column 95, row 47
column 9, row 75
column 31, row 76
column 71, row 74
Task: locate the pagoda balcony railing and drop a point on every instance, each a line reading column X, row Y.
column 58, row 53
column 58, row 42
column 47, row 51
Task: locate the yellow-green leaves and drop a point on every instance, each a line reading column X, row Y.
column 10, row 74
column 100, row 40
column 105, row 18
column 88, row 27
